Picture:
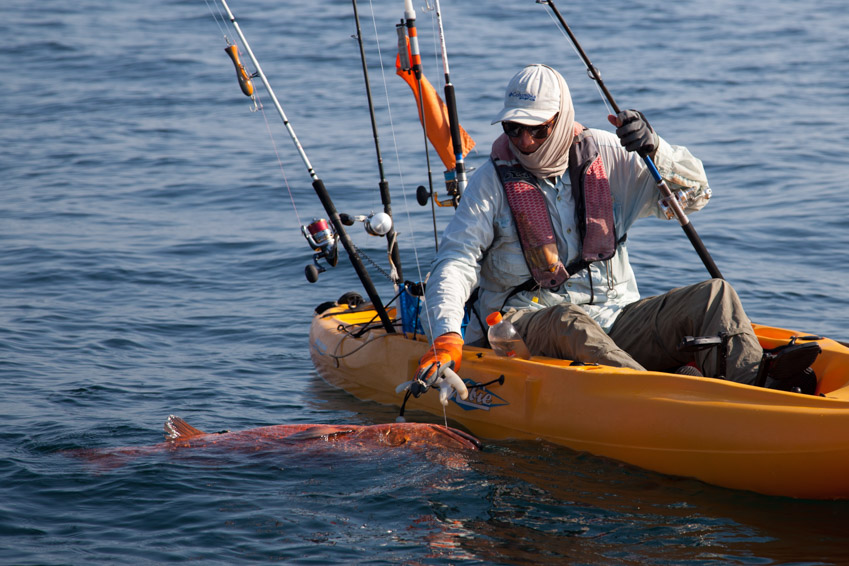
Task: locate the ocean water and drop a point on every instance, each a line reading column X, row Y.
column 151, row 263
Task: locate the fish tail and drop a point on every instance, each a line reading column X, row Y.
column 462, row 437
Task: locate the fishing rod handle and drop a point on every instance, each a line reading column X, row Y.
column 700, row 248
column 413, row 35
column 365, row 279
column 686, row 225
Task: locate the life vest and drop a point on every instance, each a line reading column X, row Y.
column 593, row 207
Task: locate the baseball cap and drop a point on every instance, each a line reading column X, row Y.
column 532, row 97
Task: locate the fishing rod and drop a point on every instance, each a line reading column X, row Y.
column 413, row 60
column 320, row 189
column 668, row 199
column 383, row 184
column 453, row 119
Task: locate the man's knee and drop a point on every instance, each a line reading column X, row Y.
column 564, row 321
column 549, row 317
column 712, row 287
column 567, row 310
column 713, row 291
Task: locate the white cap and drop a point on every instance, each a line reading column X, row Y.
column 532, row 97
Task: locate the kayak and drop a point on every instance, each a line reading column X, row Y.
column 723, row 433
column 732, row 435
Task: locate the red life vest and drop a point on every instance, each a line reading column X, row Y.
column 593, row 206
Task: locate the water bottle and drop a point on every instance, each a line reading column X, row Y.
column 505, row 339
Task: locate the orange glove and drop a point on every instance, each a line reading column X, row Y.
column 446, row 350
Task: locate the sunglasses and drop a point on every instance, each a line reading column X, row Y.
column 539, row 132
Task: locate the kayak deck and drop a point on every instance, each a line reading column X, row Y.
column 720, row 432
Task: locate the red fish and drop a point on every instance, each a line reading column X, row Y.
column 181, row 435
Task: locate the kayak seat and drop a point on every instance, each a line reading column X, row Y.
column 788, row 367
column 805, row 382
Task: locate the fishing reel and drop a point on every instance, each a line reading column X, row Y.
column 376, row 223
column 452, row 190
column 685, row 198
column 323, row 240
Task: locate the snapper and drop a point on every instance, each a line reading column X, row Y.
column 181, row 436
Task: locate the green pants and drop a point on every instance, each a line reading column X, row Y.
column 647, row 333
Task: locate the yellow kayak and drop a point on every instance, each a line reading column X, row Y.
column 723, row 433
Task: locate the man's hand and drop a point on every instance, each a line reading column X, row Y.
column 447, row 350
column 634, row 131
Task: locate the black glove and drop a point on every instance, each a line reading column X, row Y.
column 635, row 132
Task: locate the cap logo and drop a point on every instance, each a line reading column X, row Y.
column 522, row 95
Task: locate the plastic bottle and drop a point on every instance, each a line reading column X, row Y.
column 504, row 338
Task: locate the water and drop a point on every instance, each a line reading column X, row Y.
column 152, row 264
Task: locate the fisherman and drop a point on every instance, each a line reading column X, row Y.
column 541, row 232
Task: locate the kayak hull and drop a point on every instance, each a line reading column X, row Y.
column 723, row 433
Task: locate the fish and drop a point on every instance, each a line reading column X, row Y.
column 180, row 436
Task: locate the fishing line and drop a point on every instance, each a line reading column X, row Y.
column 215, row 16
column 395, row 146
column 416, row 258
column 415, row 238
column 428, row 8
column 280, row 163
column 589, row 71
column 224, row 26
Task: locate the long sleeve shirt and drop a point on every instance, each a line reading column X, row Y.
column 481, row 246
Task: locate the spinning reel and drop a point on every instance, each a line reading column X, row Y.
column 323, row 239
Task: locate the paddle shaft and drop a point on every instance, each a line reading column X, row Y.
column 662, row 187
column 320, row 189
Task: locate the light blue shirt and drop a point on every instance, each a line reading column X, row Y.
column 481, row 247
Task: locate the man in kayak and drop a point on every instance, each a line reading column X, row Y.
column 541, row 232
